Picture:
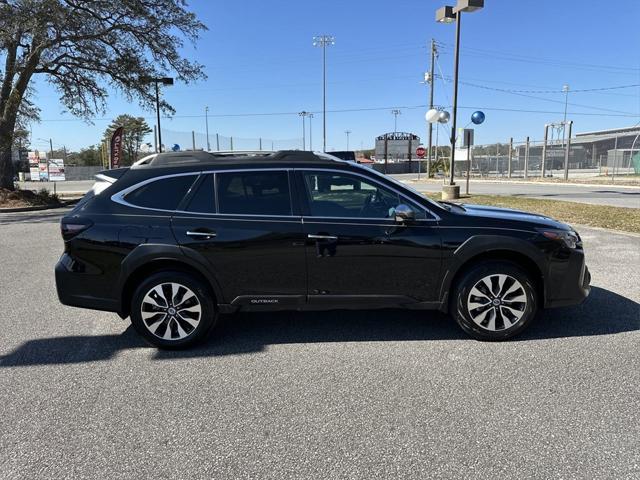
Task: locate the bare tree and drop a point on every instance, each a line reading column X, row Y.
column 84, row 47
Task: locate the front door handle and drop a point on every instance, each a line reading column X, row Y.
column 321, row 237
column 202, row 235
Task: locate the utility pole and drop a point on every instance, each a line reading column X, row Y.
column 206, row 120
column 432, row 82
column 395, row 114
column 347, row 132
column 324, row 41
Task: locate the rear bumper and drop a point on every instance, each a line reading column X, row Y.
column 78, row 289
column 570, row 282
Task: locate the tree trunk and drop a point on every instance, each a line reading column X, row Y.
column 6, row 163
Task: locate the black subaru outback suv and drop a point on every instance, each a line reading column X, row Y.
column 179, row 238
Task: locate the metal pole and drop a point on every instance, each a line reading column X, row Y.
column 206, row 119
column 231, row 142
column 526, row 160
column 260, row 143
column 217, row 142
column 193, row 140
column 324, row 96
column 310, row 133
column 347, row 132
column 49, row 161
column 468, row 165
column 386, row 153
column 431, row 85
column 510, row 157
column 455, row 99
column 497, row 157
column 615, row 160
column 544, row 151
column 158, row 117
column 155, row 138
column 566, row 153
column 304, row 130
column 565, row 89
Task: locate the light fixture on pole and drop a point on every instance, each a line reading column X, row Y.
column 448, row 14
column 395, row 114
column 347, row 132
column 206, row 120
column 323, row 41
column 304, row 114
column 157, row 81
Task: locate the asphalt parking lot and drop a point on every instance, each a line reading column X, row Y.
column 377, row 394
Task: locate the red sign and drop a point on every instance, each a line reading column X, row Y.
column 421, row 152
column 116, row 147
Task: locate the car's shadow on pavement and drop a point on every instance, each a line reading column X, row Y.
column 604, row 313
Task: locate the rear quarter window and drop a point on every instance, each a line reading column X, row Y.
column 163, row 194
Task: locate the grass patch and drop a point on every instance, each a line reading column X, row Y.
column 602, row 216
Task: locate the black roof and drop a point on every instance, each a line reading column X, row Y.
column 212, row 159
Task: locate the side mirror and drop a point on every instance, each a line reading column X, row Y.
column 404, row 214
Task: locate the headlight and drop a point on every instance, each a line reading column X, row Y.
column 570, row 238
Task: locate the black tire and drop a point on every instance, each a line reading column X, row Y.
column 174, row 325
column 486, row 315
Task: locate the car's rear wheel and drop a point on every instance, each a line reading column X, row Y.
column 495, row 301
column 172, row 310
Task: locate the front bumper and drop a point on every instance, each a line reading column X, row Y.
column 568, row 282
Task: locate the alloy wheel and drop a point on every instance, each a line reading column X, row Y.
column 171, row 311
column 497, row 302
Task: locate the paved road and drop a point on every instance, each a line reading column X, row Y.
column 600, row 195
column 358, row 395
column 597, row 195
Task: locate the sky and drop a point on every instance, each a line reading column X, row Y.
column 515, row 57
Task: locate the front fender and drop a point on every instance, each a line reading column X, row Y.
column 478, row 245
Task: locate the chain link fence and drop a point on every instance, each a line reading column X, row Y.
column 173, row 139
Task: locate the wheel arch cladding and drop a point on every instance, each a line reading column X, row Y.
column 139, row 266
column 495, row 248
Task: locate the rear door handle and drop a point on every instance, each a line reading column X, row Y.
column 202, row 235
column 321, row 237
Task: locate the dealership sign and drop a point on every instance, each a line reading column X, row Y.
column 56, row 170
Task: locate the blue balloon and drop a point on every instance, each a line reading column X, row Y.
column 477, row 117
column 176, row 147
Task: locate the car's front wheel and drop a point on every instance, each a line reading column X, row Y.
column 172, row 310
column 495, row 300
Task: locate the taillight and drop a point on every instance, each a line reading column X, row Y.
column 72, row 226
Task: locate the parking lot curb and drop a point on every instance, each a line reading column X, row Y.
column 68, row 203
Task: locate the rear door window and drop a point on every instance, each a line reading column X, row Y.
column 163, row 194
column 203, row 199
column 254, row 193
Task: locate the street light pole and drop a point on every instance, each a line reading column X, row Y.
column 157, row 82
column 158, row 116
column 310, row 133
column 323, row 41
column 206, row 119
column 449, row 14
column 454, row 115
column 303, row 114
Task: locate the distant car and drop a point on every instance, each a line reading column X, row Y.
column 184, row 236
